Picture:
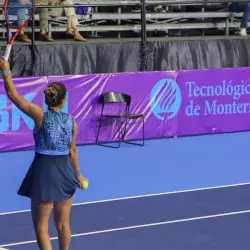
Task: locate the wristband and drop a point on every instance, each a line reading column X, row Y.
column 78, row 173
column 6, row 72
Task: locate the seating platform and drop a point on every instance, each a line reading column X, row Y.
column 67, row 57
column 117, row 19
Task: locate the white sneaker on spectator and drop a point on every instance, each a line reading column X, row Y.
column 159, row 9
column 243, row 32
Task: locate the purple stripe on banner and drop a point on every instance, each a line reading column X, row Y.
column 174, row 103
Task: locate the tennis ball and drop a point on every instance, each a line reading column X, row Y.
column 85, row 184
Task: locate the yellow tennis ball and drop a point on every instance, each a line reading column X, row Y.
column 85, row 184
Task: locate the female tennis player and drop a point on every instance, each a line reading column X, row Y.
column 54, row 174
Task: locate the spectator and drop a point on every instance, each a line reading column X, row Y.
column 245, row 8
column 44, row 21
column 43, row 17
column 72, row 21
column 20, row 13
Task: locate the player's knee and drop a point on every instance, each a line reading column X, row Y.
column 41, row 229
column 62, row 226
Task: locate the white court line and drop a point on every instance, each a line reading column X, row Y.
column 136, row 226
column 142, row 196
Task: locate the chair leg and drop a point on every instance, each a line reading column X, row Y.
column 121, row 134
column 125, row 130
column 119, row 131
column 134, row 143
column 143, row 131
column 98, row 130
column 119, row 137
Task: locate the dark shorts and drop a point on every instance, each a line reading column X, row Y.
column 50, row 178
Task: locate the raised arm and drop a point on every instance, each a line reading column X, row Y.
column 30, row 109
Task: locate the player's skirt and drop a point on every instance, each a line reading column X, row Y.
column 50, row 178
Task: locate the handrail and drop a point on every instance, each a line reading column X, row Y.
column 141, row 3
column 96, row 3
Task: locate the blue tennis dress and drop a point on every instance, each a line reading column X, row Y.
column 51, row 176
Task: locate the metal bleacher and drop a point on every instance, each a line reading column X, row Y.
column 118, row 18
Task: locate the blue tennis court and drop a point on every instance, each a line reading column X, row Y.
column 178, row 194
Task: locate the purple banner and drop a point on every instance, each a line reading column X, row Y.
column 174, row 103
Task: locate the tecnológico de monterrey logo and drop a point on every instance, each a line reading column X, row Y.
column 165, row 99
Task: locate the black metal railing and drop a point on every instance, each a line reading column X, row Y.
column 135, row 3
column 141, row 3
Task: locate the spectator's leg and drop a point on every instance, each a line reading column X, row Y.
column 245, row 8
column 245, row 19
column 72, row 29
column 22, row 37
column 44, row 24
column 72, row 21
column 69, row 29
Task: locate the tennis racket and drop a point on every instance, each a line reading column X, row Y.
column 18, row 13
